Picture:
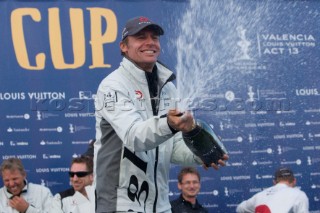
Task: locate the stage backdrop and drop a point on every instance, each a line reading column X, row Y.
column 251, row 66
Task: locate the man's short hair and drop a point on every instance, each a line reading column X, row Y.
column 187, row 170
column 12, row 164
column 285, row 174
column 84, row 159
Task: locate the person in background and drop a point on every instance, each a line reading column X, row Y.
column 282, row 197
column 138, row 128
column 189, row 185
column 17, row 194
column 80, row 198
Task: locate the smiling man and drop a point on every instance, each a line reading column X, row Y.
column 79, row 198
column 189, row 185
column 138, row 129
column 17, row 195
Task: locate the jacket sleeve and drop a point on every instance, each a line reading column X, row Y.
column 247, row 206
column 129, row 119
column 181, row 154
column 301, row 204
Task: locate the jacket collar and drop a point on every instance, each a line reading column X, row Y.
column 24, row 190
column 138, row 74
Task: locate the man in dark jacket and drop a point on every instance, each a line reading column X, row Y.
column 189, row 184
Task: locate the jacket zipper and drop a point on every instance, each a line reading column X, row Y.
column 172, row 77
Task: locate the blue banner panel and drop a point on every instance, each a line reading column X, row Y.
column 248, row 68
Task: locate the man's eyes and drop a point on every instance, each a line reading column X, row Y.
column 155, row 37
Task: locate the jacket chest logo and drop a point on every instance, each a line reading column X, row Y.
column 139, row 94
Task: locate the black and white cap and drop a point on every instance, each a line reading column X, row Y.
column 136, row 24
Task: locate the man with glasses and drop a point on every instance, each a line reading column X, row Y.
column 79, row 198
column 19, row 195
column 189, row 185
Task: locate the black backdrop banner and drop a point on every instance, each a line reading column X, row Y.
column 252, row 68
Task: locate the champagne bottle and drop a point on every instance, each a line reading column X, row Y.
column 204, row 143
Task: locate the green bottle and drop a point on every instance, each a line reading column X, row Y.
column 204, row 143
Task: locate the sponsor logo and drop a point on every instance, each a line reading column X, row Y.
column 10, row 129
column 42, row 170
column 43, row 143
column 283, row 149
column 289, row 136
column 254, row 138
column 307, row 92
column 87, row 95
column 286, row 124
column 230, row 191
column 255, row 190
column 268, row 151
column 243, row 60
column 5, row 96
column 50, row 183
column 12, row 96
column 312, row 123
column 59, row 169
column 312, row 160
column 297, row 162
column 235, row 164
column 26, row 157
column 238, row 152
column 55, row 129
column 255, row 125
column 74, row 128
column 79, row 115
column 139, row 94
column 231, row 178
column 24, row 116
column 208, row 205
column 310, row 148
column 19, row 143
column 258, row 163
column 50, row 156
column 311, row 110
column 237, row 139
column 258, row 177
column 80, row 142
column 44, row 115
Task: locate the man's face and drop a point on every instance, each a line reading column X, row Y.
column 79, row 183
column 142, row 48
column 190, row 185
column 13, row 180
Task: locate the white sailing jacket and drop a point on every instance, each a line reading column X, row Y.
column 39, row 198
column 75, row 203
column 279, row 198
column 134, row 148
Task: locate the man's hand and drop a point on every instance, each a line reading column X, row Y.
column 180, row 121
column 221, row 162
column 19, row 203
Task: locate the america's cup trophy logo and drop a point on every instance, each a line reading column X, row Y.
column 244, row 44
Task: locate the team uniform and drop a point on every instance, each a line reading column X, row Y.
column 279, row 198
column 39, row 198
column 135, row 145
